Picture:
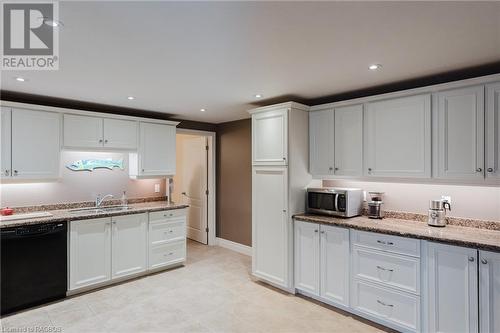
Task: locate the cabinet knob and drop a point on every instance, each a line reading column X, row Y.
column 479, row 170
column 336, row 169
column 369, row 169
column 142, row 170
column 106, row 141
column 6, row 172
column 15, row 172
column 490, row 169
column 484, row 261
column 316, row 230
column 322, row 232
column 100, row 140
column 471, row 259
column 284, row 158
column 330, row 168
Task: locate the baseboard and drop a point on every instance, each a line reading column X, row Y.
column 240, row 248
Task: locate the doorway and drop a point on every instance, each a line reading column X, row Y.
column 194, row 182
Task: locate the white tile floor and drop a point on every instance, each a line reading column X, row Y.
column 212, row 293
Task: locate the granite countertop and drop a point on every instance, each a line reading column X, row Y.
column 455, row 235
column 66, row 215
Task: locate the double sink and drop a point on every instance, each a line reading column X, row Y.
column 97, row 210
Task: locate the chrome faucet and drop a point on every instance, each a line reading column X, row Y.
column 99, row 200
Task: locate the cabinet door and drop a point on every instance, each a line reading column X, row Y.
column 349, row 141
column 157, row 149
column 460, row 134
column 334, row 273
column 271, row 236
column 321, row 148
column 5, row 136
column 270, row 138
column 489, row 291
column 120, row 134
column 307, row 257
column 493, row 131
column 452, row 288
column 398, row 137
column 35, row 144
column 82, row 131
column 129, row 249
column 90, row 252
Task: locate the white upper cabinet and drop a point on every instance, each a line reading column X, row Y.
column 348, row 141
column 452, row 289
column 397, row 137
column 321, row 149
column 96, row 132
column 459, row 129
column 5, row 137
column 307, row 257
column 35, row 144
column 270, row 137
column 493, row 131
column 82, row 132
column 489, row 291
column 156, row 154
column 120, row 134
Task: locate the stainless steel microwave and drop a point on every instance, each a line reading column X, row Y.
column 346, row 202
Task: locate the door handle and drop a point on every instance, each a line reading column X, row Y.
column 490, row 169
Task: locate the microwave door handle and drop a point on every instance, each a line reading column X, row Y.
column 336, row 202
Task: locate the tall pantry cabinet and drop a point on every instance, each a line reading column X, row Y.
column 280, row 156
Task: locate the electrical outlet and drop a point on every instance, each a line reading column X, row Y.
column 446, row 197
column 157, row 188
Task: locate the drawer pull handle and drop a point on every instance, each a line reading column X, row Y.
column 385, row 269
column 384, row 242
column 168, row 254
column 385, row 304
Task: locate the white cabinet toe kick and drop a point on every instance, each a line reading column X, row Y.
column 108, row 250
column 406, row 284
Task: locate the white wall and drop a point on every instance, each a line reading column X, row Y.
column 475, row 202
column 75, row 186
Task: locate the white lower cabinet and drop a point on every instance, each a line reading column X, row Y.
column 489, row 291
column 129, row 244
column 322, row 262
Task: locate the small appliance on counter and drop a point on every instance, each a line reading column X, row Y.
column 375, row 209
column 345, row 202
column 437, row 213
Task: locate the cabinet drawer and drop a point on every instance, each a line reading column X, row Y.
column 166, row 214
column 389, row 269
column 163, row 232
column 167, row 254
column 394, row 244
column 400, row 309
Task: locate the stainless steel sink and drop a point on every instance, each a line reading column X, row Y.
column 94, row 210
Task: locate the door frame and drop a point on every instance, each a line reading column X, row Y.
column 210, row 181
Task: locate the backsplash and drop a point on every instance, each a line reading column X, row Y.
column 467, row 202
column 78, row 186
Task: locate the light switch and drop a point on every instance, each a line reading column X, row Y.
column 157, row 188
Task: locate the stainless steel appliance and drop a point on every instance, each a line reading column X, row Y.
column 375, row 205
column 437, row 213
column 345, row 202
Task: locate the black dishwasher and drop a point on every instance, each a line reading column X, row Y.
column 34, row 265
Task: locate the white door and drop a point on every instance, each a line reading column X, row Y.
column 157, row 149
column 398, row 137
column 120, row 134
column 492, row 131
column 5, row 136
column 90, row 252
column 334, row 272
column 194, row 185
column 306, row 257
column 129, row 244
column 489, row 291
column 460, row 133
column 321, row 147
column 349, row 141
column 82, row 131
column 35, row 144
column 270, row 137
column 271, row 229
column 452, row 288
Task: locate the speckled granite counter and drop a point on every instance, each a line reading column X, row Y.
column 67, row 215
column 463, row 236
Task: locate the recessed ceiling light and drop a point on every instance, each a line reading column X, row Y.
column 257, row 96
column 52, row 23
column 203, row 110
column 131, row 98
column 374, row 67
column 20, row 79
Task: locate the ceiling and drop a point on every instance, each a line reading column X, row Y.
column 179, row 57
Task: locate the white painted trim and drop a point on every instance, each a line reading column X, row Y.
column 290, row 105
column 240, row 248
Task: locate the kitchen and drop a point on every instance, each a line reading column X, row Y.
column 364, row 200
